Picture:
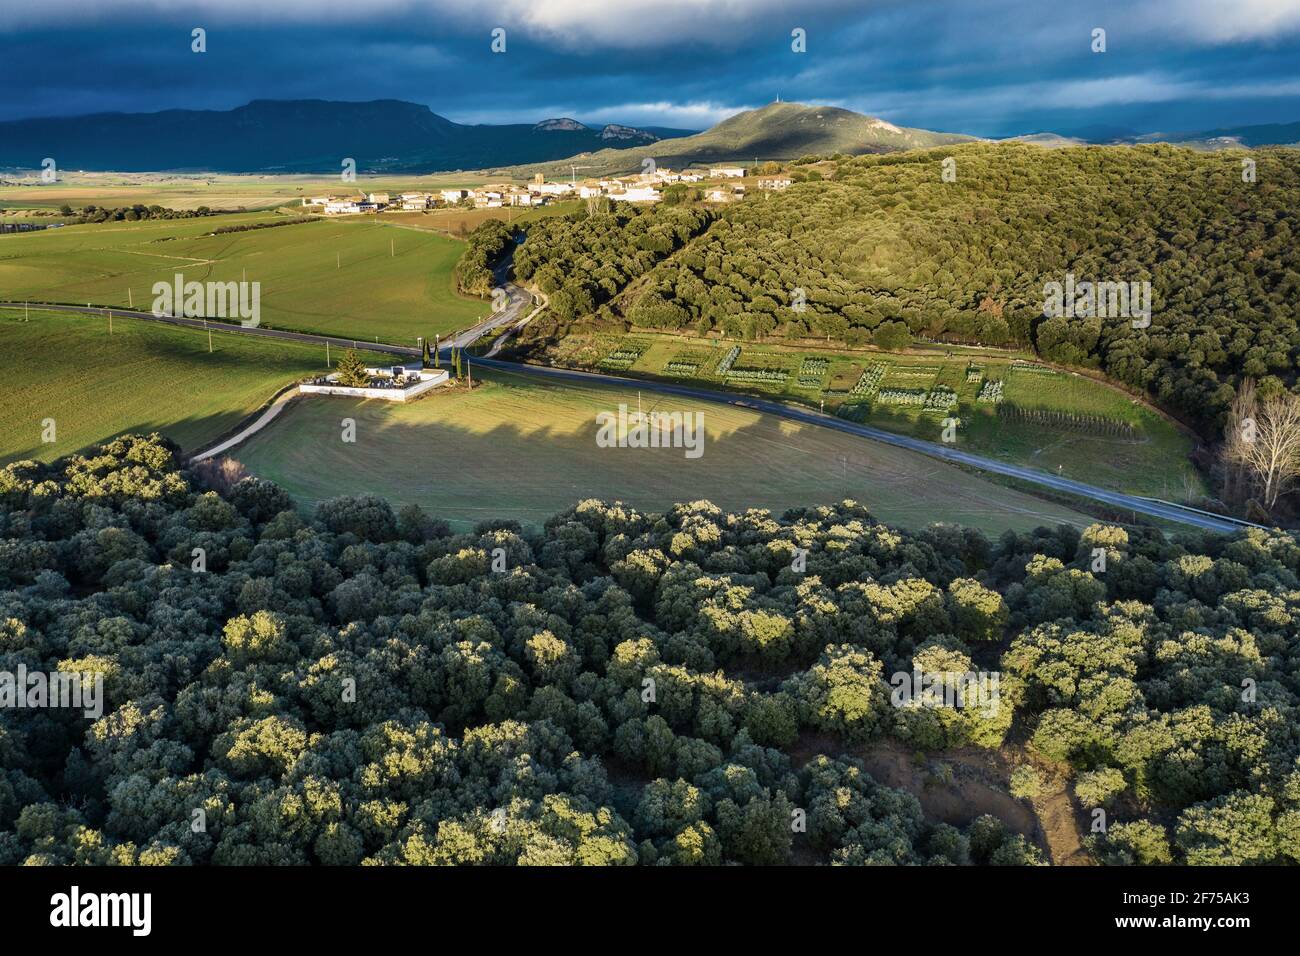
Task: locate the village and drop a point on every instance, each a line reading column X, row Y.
column 645, row 187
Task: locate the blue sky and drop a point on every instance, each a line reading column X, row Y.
column 987, row 67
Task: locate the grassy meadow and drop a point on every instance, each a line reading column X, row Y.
column 525, row 449
column 461, row 222
column 1010, row 407
column 351, row 277
column 144, row 377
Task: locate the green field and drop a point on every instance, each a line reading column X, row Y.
column 144, row 377
column 356, row 278
column 214, row 190
column 1103, row 436
column 525, row 449
column 458, row 222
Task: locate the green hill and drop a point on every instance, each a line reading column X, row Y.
column 776, row 131
column 885, row 249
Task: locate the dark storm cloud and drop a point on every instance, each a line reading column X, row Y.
column 992, row 68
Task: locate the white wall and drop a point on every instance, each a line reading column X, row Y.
column 429, row 378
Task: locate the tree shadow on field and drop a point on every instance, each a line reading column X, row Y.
column 534, row 467
column 204, row 425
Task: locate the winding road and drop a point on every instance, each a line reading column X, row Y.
column 269, row 414
column 518, row 298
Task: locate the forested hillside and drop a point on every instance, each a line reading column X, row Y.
column 362, row 686
column 886, row 249
column 584, row 261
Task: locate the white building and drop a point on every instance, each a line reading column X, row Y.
column 637, row 194
column 379, row 199
column 414, row 202
column 774, row 182
column 726, row 172
column 341, row 207
column 453, row 195
column 552, row 189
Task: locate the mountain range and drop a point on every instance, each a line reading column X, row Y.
column 300, row 136
column 1232, row 137
column 393, row 136
column 1268, row 134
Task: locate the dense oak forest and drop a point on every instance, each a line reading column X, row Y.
column 360, row 685
column 884, row 250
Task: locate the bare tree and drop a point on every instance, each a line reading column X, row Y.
column 1241, row 417
column 1263, row 441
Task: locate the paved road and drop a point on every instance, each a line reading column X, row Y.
column 517, row 299
column 505, row 336
column 1151, row 507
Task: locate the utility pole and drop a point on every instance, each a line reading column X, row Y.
column 391, row 253
column 110, row 322
column 338, row 263
column 130, row 302
column 327, row 353
column 209, row 341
